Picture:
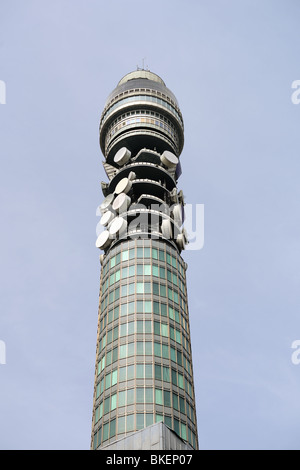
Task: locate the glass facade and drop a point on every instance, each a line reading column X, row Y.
column 143, row 366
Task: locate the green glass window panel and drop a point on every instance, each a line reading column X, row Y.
column 168, row 421
column 130, row 396
column 121, row 398
column 158, row 396
column 131, row 288
column 164, row 330
column 169, row 275
column 131, row 308
column 170, row 293
column 108, row 358
column 114, row 377
column 98, row 390
column 158, row 418
column 121, row 424
column 148, row 348
column 148, row 326
column 147, row 269
column 130, row 372
column 109, row 336
column 156, row 307
column 166, row 374
column 118, row 275
column 171, row 313
column 131, row 270
column 163, row 308
column 130, row 423
column 139, row 253
column 175, row 297
column 101, row 410
column 175, row 279
column 118, row 258
column 149, row 419
column 123, row 351
column 97, row 414
column 157, row 349
column 112, row 429
column 115, row 333
column 107, row 381
column 110, row 315
column 140, row 371
column 173, row 262
column 140, row 326
column 148, row 371
column 125, row 255
column 123, row 329
column 177, row 316
column 162, row 273
column 95, row 440
column 140, row 421
column 155, row 288
column 122, row 374
column 165, row 351
column 183, row 431
column 179, row 358
column 102, row 385
column 174, row 377
column 156, row 328
column 112, row 261
column 157, row 370
column 139, row 287
column 155, row 270
column 139, row 269
column 113, row 405
column 175, row 401
column 131, row 327
column 131, row 253
column 161, row 255
column 173, row 353
column 117, row 293
column 124, row 273
column 140, row 348
column 167, row 398
column 111, row 297
column 172, row 332
column 178, row 336
column 105, row 432
column 163, row 290
column 154, row 253
column 180, row 380
column 139, row 306
column 148, row 395
column 146, row 252
column 130, row 349
column 123, row 291
column 106, row 405
column 168, row 258
column 116, row 312
column 147, row 287
column 176, row 426
column 148, row 306
column 140, row 395
column 123, row 310
column 182, row 405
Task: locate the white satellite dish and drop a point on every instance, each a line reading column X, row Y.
column 103, row 241
column 118, row 227
column 107, row 218
column 180, row 240
column 177, row 212
column 121, row 203
column 122, row 156
column 169, row 159
column 106, row 203
column 166, row 229
column 123, row 186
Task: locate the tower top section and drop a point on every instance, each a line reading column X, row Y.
column 141, row 73
column 141, row 112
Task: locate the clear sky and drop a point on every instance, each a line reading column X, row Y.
column 231, row 65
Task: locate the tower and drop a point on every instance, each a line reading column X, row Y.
column 143, row 373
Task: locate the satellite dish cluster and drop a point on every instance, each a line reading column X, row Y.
column 142, row 188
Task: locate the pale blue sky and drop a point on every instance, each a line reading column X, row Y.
column 231, row 65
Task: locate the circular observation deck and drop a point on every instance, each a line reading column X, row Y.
column 141, row 112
